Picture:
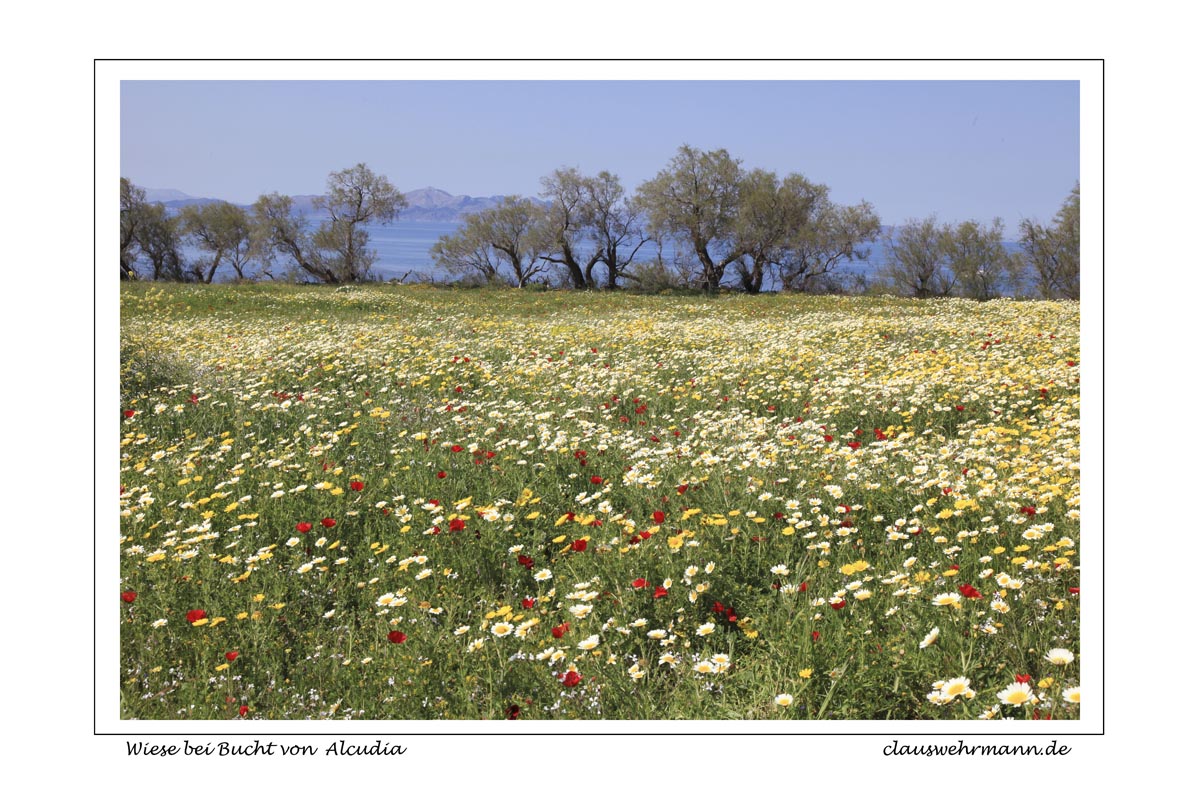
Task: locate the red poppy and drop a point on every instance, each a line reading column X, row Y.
column 357, row 486
column 129, row 597
column 304, row 527
column 231, row 655
column 558, row 630
column 129, row 413
column 457, row 448
column 512, row 712
column 441, row 474
column 527, row 602
column 855, row 445
column 196, row 614
column 597, row 479
column 457, row 525
column 816, row 635
column 682, row 488
column 804, row 586
column 639, row 583
column 570, row 679
column 838, row 604
column 960, row 408
column 658, row 517
column 967, row 590
column 329, row 522
column 525, row 561
column 396, row 637
column 659, row 591
column 1023, row 677
column 1073, row 590
column 243, row 710
column 828, row 438
column 579, row 545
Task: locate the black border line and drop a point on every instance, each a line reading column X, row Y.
column 514, row 731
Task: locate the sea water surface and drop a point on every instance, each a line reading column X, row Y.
column 402, row 253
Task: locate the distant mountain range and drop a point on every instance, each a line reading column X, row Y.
column 424, row 205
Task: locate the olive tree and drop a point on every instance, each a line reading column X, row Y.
column 572, row 244
column 283, row 231
column 133, row 202
column 615, row 223
column 694, row 201
column 773, row 217
column 590, row 222
column 337, row 251
column 1052, row 253
column 515, row 234
column 916, row 259
column 355, row 197
column 159, row 240
column 835, row 234
column 224, row 233
column 977, row 257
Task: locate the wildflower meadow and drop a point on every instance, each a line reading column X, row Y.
column 394, row 502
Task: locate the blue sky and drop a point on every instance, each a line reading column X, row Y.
column 957, row 149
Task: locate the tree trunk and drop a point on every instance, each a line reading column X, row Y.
column 712, row 278
column 212, row 268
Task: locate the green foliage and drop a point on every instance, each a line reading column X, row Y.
column 977, row 257
column 695, row 201
column 514, row 235
column 337, row 252
column 917, row 263
column 225, row 233
column 1052, row 253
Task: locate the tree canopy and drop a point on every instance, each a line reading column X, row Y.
column 695, row 201
column 1052, row 252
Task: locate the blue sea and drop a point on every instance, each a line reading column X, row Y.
column 402, row 249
